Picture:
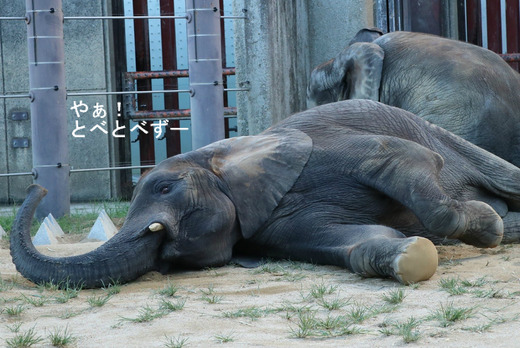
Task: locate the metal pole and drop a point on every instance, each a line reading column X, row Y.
column 50, row 147
column 205, row 69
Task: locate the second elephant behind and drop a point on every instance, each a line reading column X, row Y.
column 461, row 87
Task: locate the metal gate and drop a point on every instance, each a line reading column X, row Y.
column 493, row 24
column 156, row 59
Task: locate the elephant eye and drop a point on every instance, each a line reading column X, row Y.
column 165, row 190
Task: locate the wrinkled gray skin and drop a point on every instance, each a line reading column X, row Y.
column 463, row 88
column 340, row 184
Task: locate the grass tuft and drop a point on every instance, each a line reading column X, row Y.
column 61, row 338
column 98, row 301
column 395, row 296
column 449, row 314
column 175, row 342
column 24, row 340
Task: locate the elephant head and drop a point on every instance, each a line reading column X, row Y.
column 189, row 210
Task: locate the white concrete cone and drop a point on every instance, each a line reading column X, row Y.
column 44, row 236
column 53, row 225
column 103, row 228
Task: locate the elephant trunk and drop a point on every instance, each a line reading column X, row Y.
column 123, row 258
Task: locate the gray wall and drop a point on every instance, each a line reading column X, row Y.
column 271, row 54
column 87, row 69
column 280, row 43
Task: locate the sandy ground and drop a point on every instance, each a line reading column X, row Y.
column 281, row 304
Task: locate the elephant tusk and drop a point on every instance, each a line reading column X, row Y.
column 155, row 227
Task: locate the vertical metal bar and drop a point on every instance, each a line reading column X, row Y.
column 169, row 54
column 462, row 20
column 50, row 148
column 144, row 102
column 205, row 67
column 391, row 16
column 381, row 15
column 494, row 31
column 224, row 65
column 474, row 22
column 513, row 29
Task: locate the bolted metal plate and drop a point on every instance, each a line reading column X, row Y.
column 20, row 116
column 20, row 142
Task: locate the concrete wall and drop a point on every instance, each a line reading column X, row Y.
column 87, row 69
column 279, row 44
column 271, row 54
column 333, row 23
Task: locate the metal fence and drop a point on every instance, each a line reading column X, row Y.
column 48, row 93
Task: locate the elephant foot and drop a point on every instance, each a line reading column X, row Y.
column 472, row 222
column 408, row 260
column 484, row 227
column 417, row 262
column 511, row 228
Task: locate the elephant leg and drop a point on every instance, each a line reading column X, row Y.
column 409, row 173
column 408, row 260
column 368, row 250
column 354, row 74
column 511, row 227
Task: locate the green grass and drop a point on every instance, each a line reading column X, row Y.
column 169, row 306
column 282, row 272
column 175, row 342
column 14, row 310
column 170, row 290
column 35, row 300
column 318, row 291
column 112, row 288
column 24, row 340
column 394, row 297
column 449, row 314
column 15, row 328
column 359, row 313
column 225, row 338
column 98, row 301
column 252, row 313
column 308, row 324
column 408, row 330
column 61, row 337
column 333, row 304
column 209, row 295
column 452, row 286
column 65, row 295
column 5, row 285
column 146, row 314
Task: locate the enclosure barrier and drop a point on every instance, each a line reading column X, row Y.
column 47, row 91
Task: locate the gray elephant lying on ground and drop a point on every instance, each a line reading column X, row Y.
column 463, row 88
column 357, row 184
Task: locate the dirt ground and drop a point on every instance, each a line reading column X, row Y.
column 472, row 301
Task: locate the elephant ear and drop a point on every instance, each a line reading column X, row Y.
column 354, row 74
column 367, row 35
column 362, row 64
column 259, row 170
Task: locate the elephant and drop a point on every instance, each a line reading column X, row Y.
column 357, row 184
column 463, row 88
